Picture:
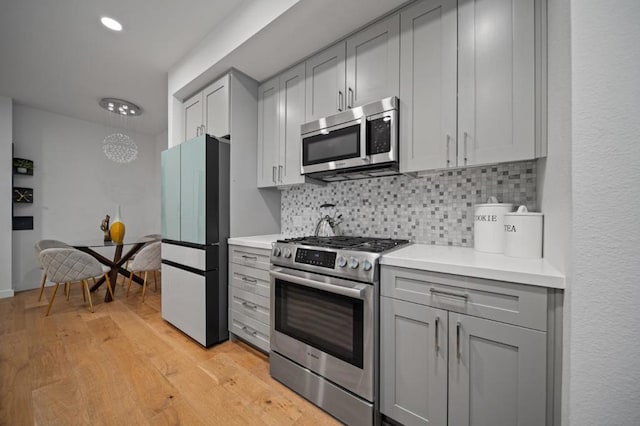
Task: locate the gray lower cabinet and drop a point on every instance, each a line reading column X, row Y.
column 497, row 373
column 463, row 351
column 413, row 357
column 249, row 295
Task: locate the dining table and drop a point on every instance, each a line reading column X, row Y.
column 116, row 264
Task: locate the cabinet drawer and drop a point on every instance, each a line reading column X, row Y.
column 250, row 330
column 253, row 280
column 501, row 301
column 248, row 256
column 251, row 305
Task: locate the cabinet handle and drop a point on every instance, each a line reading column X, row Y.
column 197, row 131
column 458, row 340
column 464, row 296
column 273, row 177
column 437, row 326
column 250, row 305
column 280, row 173
column 249, row 280
column 245, row 257
column 465, row 147
column 448, row 143
column 340, row 100
column 249, row 331
column 204, row 129
column 350, row 105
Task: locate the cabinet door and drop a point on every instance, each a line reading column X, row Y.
column 170, row 193
column 193, row 190
column 496, row 373
column 192, row 116
column 291, row 99
column 216, row 107
column 428, row 45
column 268, row 122
column 325, row 83
column 496, row 72
column 413, row 363
column 373, row 63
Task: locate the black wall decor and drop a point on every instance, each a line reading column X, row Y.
column 22, row 223
column 22, row 166
column 22, row 195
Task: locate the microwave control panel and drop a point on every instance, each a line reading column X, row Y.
column 379, row 135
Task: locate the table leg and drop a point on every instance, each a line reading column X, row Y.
column 113, row 274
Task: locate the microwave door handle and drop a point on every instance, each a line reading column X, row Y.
column 363, row 139
column 355, row 292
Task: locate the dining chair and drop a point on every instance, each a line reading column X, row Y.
column 43, row 245
column 154, row 237
column 146, row 260
column 67, row 265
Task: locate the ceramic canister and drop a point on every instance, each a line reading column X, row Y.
column 488, row 225
column 523, row 234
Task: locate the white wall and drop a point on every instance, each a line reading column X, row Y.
column 197, row 68
column 6, row 170
column 603, row 341
column 75, row 185
column 554, row 172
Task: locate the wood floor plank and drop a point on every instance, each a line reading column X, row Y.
column 58, row 369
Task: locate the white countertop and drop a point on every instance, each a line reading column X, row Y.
column 256, row 241
column 468, row 262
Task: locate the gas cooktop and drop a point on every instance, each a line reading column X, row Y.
column 368, row 244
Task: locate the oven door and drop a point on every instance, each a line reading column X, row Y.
column 337, row 147
column 326, row 325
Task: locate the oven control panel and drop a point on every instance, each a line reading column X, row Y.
column 355, row 265
column 325, row 259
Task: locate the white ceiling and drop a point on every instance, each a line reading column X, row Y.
column 55, row 55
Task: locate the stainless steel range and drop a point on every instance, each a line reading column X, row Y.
column 324, row 321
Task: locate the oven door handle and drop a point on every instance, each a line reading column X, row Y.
column 355, row 292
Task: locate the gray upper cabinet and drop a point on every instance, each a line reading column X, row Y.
column 268, row 133
column 373, row 61
column 428, row 52
column 325, row 83
column 215, row 99
column 291, row 106
column 496, row 81
column 208, row 111
column 192, row 113
column 170, row 193
column 497, row 373
column 413, row 363
column 281, row 106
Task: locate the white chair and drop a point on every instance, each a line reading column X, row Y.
column 67, row 265
column 154, row 237
column 146, row 260
column 43, row 245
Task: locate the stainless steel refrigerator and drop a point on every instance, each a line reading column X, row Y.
column 195, row 228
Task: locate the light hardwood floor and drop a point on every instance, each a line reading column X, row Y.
column 124, row 365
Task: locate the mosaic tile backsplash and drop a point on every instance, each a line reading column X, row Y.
column 435, row 209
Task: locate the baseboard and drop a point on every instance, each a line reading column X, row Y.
column 6, row 293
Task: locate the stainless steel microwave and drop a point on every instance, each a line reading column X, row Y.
column 359, row 143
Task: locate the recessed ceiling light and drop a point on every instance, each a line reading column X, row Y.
column 111, row 23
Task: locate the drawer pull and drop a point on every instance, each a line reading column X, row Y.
column 245, row 257
column 464, row 296
column 249, row 280
column 250, row 305
column 249, row 331
column 437, row 325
